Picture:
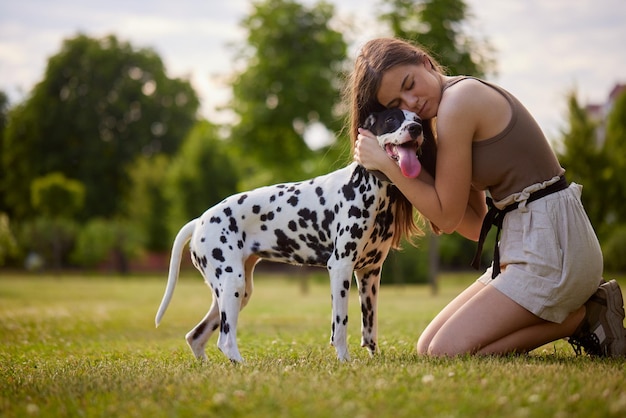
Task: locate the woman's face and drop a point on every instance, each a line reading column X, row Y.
column 413, row 87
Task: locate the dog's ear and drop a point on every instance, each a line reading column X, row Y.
column 428, row 156
column 369, row 122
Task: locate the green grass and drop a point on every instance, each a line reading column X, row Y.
column 86, row 346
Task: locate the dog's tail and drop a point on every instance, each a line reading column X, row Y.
column 183, row 236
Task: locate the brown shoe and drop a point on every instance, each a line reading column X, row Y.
column 602, row 333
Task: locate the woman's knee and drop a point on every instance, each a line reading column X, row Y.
column 422, row 345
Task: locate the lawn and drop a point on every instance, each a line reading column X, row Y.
column 75, row 345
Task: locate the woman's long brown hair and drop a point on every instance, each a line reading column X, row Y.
column 376, row 57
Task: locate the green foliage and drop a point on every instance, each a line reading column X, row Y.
column 290, row 81
column 614, row 173
column 51, row 239
column 55, row 196
column 614, row 249
column 146, row 205
column 407, row 265
column 584, row 160
column 100, row 104
column 593, row 153
column 100, row 239
column 203, row 173
column 4, row 111
column 438, row 26
column 8, row 243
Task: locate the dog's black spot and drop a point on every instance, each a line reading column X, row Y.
column 233, row 225
column 242, row 199
column 236, row 294
column 228, row 211
column 293, row 201
column 354, row 212
column 256, row 209
column 346, row 284
column 349, row 193
column 217, row 254
column 199, row 330
column 224, row 326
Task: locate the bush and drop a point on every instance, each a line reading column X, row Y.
column 51, row 239
column 101, row 238
column 408, row 265
column 614, row 250
column 8, row 243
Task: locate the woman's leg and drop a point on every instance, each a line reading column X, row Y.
column 482, row 320
column 431, row 330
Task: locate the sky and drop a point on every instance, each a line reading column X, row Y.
column 544, row 49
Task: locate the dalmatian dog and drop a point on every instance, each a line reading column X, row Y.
column 343, row 221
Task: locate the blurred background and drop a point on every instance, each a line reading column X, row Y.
column 120, row 121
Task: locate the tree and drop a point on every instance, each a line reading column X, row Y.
column 100, row 105
column 291, row 80
column 614, row 171
column 585, row 161
column 201, row 174
column 438, row 26
column 4, row 110
column 146, row 206
column 594, row 155
column 56, row 199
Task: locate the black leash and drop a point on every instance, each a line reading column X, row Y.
column 495, row 217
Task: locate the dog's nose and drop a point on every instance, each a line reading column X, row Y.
column 415, row 130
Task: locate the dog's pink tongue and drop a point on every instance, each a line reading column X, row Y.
column 409, row 164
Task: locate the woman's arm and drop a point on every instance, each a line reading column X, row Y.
column 474, row 214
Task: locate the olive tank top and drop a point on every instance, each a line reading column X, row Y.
column 514, row 159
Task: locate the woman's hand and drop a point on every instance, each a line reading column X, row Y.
column 369, row 153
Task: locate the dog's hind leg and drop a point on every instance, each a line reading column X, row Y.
column 368, row 281
column 200, row 334
column 249, row 268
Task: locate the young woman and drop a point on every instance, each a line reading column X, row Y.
column 548, row 282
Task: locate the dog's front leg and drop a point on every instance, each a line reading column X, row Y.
column 368, row 281
column 340, row 292
column 230, row 304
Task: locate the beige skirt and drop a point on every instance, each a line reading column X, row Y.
column 550, row 255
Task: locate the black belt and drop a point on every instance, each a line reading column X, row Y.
column 495, row 217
